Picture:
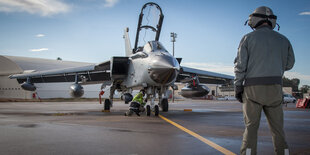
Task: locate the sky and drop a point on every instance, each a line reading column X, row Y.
column 208, row 31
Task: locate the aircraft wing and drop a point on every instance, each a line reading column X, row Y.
column 206, row 77
column 90, row 74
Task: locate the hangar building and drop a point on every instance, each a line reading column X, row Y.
column 10, row 89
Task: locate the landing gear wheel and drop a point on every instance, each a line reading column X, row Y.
column 156, row 108
column 107, row 104
column 164, row 105
column 148, row 110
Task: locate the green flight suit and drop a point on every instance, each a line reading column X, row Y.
column 269, row 99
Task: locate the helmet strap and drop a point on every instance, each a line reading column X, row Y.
column 246, row 22
column 278, row 26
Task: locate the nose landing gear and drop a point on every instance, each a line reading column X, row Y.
column 107, row 105
column 155, row 109
column 148, row 110
column 152, row 106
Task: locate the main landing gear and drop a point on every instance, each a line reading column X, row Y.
column 107, row 105
column 164, row 105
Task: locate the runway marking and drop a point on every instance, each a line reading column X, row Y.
column 188, row 109
column 210, row 143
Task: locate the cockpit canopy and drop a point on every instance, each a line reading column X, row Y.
column 152, row 46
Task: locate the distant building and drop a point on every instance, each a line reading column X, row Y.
column 10, row 89
column 306, row 95
column 288, row 90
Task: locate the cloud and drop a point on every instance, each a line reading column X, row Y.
column 38, row 50
column 304, row 79
column 41, row 7
column 110, row 3
column 304, row 13
column 213, row 67
column 40, row 35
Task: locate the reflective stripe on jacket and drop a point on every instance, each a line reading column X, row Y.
column 138, row 98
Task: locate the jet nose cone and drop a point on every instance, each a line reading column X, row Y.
column 164, row 70
column 163, row 75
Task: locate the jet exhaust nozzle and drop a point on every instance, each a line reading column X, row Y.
column 76, row 90
column 28, row 86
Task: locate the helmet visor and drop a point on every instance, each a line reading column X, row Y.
column 263, row 16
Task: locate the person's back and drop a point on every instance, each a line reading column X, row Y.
column 268, row 53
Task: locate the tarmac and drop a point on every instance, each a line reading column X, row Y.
column 190, row 127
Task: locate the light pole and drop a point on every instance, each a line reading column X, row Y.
column 173, row 36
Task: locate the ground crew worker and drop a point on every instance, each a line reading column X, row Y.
column 137, row 104
column 263, row 56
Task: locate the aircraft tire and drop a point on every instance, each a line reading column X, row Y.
column 107, row 104
column 164, row 105
column 148, row 110
column 156, row 110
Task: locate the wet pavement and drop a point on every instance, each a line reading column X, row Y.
column 81, row 128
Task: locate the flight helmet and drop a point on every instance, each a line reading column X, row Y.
column 260, row 15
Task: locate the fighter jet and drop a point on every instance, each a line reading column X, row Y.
column 150, row 67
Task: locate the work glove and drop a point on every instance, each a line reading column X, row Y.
column 238, row 93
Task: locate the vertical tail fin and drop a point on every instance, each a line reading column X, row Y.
column 128, row 48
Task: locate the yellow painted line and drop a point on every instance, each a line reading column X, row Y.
column 210, row 143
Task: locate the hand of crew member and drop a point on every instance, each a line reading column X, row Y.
column 238, row 93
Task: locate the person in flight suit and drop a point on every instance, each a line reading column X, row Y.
column 263, row 56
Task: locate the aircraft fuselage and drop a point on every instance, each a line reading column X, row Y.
column 152, row 67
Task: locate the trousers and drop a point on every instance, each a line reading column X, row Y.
column 267, row 98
